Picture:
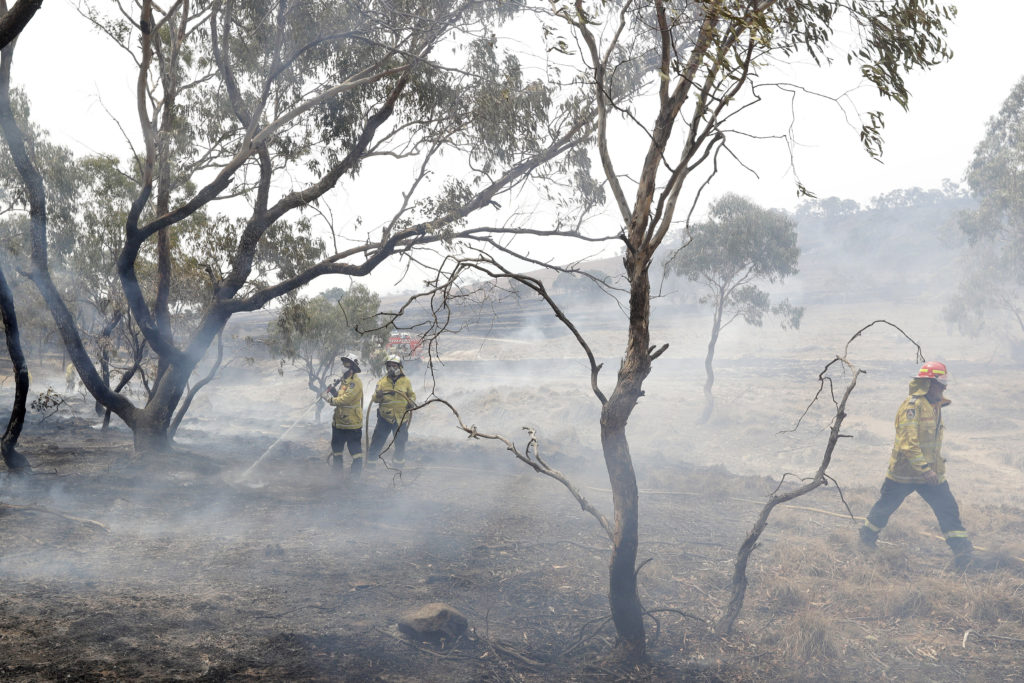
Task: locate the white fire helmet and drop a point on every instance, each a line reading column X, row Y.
column 394, row 358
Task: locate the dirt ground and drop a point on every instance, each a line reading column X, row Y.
column 118, row 567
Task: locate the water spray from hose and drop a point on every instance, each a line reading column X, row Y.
column 299, row 419
column 260, row 459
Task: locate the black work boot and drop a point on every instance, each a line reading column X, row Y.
column 962, row 552
column 357, row 467
column 962, row 561
column 868, row 538
column 337, row 463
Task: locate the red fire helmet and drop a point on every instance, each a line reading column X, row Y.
column 933, row 369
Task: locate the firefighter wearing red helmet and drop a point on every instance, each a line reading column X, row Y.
column 916, row 464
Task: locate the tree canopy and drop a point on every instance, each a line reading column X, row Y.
column 251, row 114
column 740, row 245
column 314, row 332
column 991, row 290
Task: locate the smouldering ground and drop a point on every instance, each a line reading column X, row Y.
column 299, row 576
column 169, row 568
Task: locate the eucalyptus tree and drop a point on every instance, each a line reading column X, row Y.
column 739, row 245
column 671, row 77
column 12, row 21
column 262, row 108
column 314, row 332
column 992, row 277
column 57, row 164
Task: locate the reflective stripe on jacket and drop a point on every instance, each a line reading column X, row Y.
column 348, row 413
column 395, row 398
column 918, row 442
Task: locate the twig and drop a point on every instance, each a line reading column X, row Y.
column 531, row 456
column 582, row 638
column 509, row 652
column 820, row 478
column 679, row 612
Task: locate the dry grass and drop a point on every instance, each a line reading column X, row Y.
column 811, row 637
column 824, row 608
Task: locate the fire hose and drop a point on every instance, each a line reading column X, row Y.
column 312, row 405
column 260, row 459
column 303, row 414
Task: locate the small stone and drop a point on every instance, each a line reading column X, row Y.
column 433, row 622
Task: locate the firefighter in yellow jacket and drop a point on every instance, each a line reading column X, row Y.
column 916, row 464
column 346, row 395
column 395, row 399
column 70, row 378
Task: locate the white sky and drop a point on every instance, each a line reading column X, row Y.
column 74, row 76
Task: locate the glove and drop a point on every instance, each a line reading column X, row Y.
column 332, row 391
column 930, row 477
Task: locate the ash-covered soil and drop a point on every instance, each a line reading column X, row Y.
column 173, row 567
column 117, row 567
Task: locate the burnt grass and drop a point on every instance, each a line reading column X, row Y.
column 124, row 567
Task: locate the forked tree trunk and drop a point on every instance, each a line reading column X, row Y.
column 15, row 461
column 151, row 430
column 193, row 391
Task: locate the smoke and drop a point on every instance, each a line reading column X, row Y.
column 290, row 553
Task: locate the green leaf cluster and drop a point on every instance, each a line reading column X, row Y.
column 314, row 332
column 740, row 244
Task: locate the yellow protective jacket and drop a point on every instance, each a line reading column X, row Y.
column 395, row 398
column 918, row 443
column 348, row 411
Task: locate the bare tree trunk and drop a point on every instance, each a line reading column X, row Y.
column 151, row 433
column 15, row 461
column 199, row 385
column 709, row 369
column 153, row 429
column 12, row 22
column 627, row 612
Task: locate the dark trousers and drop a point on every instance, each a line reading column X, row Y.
column 938, row 497
column 382, row 433
column 340, row 438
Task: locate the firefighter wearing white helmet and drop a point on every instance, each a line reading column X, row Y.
column 346, row 395
column 917, row 465
column 395, row 400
